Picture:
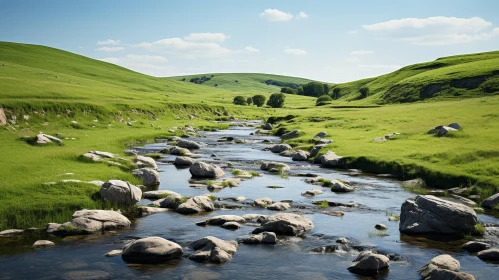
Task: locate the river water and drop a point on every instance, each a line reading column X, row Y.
column 83, row 257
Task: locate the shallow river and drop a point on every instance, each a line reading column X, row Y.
column 377, row 197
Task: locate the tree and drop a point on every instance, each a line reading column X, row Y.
column 323, row 100
column 249, row 100
column 239, row 100
column 364, row 92
column 288, row 90
column 299, row 90
column 336, row 92
column 183, row 79
column 313, row 89
column 259, row 100
column 276, row 100
column 326, row 88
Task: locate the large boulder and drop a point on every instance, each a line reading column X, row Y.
column 212, row 249
column 201, row 169
column 278, row 148
column 429, row 214
column 184, row 161
column 143, row 161
column 321, row 134
column 196, row 205
column 489, row 255
column 444, row 130
column 286, row 224
column 300, row 155
column 90, row 221
column 120, row 192
column 491, row 201
column 188, row 144
column 332, row 160
column 151, row 250
column 369, row 264
column 274, row 166
column 149, row 176
column 293, row 134
column 440, row 262
column 267, row 126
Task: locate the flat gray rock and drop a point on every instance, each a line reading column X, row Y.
column 151, row 250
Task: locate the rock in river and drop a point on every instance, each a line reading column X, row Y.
column 89, row 221
column 442, row 262
column 286, row 224
column 143, row 161
column 429, row 214
column 120, row 192
column 491, row 201
column 212, row 249
column 264, row 237
column 300, row 155
column 280, row 148
column 201, row 169
column 369, row 264
column 332, row 160
column 475, row 246
column 274, row 166
column 279, row 206
column 149, row 176
column 196, row 205
column 43, row 243
column 188, row 144
column 151, row 250
column 489, row 255
column 184, row 161
column 222, row 219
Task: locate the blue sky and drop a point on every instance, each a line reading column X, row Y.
column 334, row 41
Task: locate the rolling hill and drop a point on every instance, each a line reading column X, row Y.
column 244, row 82
column 467, row 75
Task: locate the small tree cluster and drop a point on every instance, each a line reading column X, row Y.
column 259, row 100
column 323, row 100
column 199, row 80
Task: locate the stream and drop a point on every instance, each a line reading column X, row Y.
column 82, row 257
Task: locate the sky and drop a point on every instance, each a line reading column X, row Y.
column 325, row 40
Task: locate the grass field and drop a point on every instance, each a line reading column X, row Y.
column 102, row 97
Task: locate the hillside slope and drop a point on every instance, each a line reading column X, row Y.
column 454, row 76
column 244, row 82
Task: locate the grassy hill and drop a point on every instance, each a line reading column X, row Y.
column 244, row 82
column 468, row 75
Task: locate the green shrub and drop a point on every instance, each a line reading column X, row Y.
column 259, row 100
column 364, row 92
column 240, row 100
column 276, row 100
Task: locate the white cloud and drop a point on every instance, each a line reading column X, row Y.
column 295, row 51
column 434, row 31
column 110, row 49
column 146, row 58
column 353, row 59
column 361, row 52
column 276, row 15
column 113, row 60
column 251, row 49
column 206, row 37
column 186, row 49
column 301, row 15
column 109, row 42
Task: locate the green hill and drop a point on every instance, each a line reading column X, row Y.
column 244, row 82
column 468, row 75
